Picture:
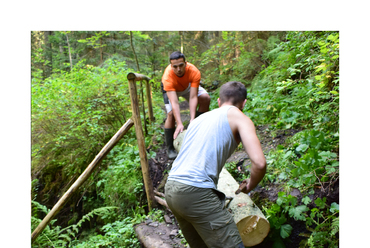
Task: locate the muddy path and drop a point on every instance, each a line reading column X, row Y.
column 160, row 165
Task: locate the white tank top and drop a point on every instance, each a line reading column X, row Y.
column 207, row 144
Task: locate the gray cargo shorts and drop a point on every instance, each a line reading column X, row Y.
column 202, row 217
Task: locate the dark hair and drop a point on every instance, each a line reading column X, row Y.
column 234, row 92
column 177, row 55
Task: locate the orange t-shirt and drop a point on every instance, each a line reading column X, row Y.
column 171, row 82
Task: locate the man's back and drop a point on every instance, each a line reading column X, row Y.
column 207, row 145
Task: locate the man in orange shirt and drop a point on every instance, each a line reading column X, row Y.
column 181, row 78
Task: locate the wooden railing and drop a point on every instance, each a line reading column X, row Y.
column 135, row 120
column 132, row 78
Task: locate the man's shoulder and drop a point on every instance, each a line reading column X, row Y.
column 167, row 70
column 236, row 117
column 193, row 72
column 168, row 73
column 192, row 67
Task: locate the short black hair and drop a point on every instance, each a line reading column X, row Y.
column 177, row 55
column 234, row 92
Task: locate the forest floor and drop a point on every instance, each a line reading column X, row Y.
column 154, row 234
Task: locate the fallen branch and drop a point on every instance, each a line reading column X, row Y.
column 161, row 201
column 159, row 193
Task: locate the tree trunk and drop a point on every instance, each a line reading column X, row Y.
column 181, row 33
column 252, row 224
column 101, row 50
column 133, row 50
column 114, row 43
column 47, row 54
column 69, row 51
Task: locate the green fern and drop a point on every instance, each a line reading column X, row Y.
column 38, row 206
column 55, row 236
column 47, row 236
column 72, row 230
column 335, row 226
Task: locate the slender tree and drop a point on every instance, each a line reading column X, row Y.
column 69, row 50
column 133, row 50
column 48, row 54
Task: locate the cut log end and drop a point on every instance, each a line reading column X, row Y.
column 255, row 229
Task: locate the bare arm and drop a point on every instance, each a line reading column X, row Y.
column 244, row 131
column 172, row 96
column 193, row 102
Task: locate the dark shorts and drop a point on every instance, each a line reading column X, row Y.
column 202, row 217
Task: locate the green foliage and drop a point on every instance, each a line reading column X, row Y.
column 300, row 89
column 55, row 236
column 308, row 161
column 291, row 93
column 66, row 235
column 233, row 170
column 73, row 116
column 236, row 57
column 93, row 40
column 121, row 183
column 321, row 221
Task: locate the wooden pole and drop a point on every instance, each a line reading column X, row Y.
column 132, row 78
column 149, row 101
column 85, row 175
column 143, row 107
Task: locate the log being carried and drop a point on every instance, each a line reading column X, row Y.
column 198, row 186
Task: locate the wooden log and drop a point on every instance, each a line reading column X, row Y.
column 159, row 193
column 178, row 141
column 155, row 235
column 85, row 175
column 253, row 226
column 137, row 77
column 161, row 201
column 132, row 77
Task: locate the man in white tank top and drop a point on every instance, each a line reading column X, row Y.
column 191, row 191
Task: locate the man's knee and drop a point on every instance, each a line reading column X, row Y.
column 170, row 120
column 170, row 115
column 204, row 99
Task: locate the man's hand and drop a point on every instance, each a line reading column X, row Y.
column 243, row 187
column 178, row 130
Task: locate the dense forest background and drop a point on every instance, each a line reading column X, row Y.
column 79, row 99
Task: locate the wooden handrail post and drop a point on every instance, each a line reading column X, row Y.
column 149, row 101
column 85, row 175
column 132, row 78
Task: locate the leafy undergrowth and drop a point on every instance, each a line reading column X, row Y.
column 300, row 191
column 298, row 93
